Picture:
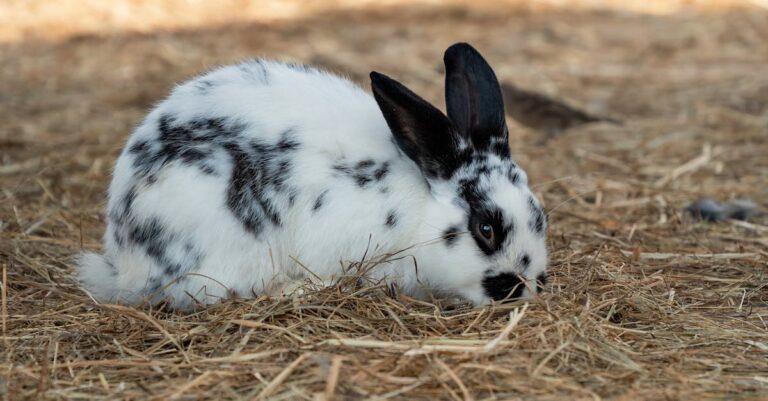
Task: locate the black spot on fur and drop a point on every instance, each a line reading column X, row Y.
column 204, row 86
column 139, row 147
column 364, row 172
column 503, row 286
column 451, row 235
column 246, row 196
column 149, row 234
column 287, row 141
column 541, row 281
column 120, row 214
column 364, row 164
column 391, row 219
column 259, row 182
column 341, row 168
column 127, row 203
column 362, row 180
column 537, row 222
column 513, row 176
column 155, row 239
column 208, row 170
column 381, row 172
column 525, row 261
column 319, row 201
column 192, row 143
column 469, row 191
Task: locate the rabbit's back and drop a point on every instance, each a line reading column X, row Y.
column 245, row 177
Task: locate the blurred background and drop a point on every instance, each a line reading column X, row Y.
column 688, row 79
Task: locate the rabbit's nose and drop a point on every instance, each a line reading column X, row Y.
column 505, row 286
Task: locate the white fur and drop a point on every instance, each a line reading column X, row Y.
column 333, row 121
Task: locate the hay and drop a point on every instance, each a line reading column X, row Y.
column 643, row 303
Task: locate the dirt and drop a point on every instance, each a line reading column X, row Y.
column 643, row 302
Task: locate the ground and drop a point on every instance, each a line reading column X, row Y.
column 642, row 301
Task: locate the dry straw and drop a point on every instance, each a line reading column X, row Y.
column 642, row 302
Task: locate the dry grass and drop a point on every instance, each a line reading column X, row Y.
column 643, row 303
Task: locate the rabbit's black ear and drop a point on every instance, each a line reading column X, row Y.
column 420, row 130
column 473, row 99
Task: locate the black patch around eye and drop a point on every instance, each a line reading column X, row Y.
column 503, row 286
column 451, row 234
column 541, row 281
column 391, row 219
column 495, row 218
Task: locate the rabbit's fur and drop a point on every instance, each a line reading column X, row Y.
column 245, row 178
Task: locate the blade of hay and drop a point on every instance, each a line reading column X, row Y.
column 253, row 324
column 514, row 319
column 280, row 378
column 665, row 256
column 192, row 384
column 242, row 358
column 143, row 316
column 456, row 379
column 397, row 392
column 547, row 358
column 333, row 377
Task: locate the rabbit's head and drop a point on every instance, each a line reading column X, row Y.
column 490, row 228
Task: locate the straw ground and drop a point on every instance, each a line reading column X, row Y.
column 642, row 302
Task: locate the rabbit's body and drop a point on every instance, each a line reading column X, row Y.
column 231, row 180
column 260, row 174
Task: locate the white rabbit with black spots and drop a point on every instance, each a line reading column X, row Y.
column 245, row 178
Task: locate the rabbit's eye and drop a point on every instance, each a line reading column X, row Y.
column 486, row 230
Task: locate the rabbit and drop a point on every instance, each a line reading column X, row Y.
column 256, row 176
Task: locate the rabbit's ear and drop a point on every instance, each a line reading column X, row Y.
column 420, row 130
column 473, row 99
